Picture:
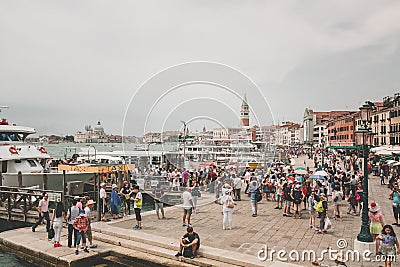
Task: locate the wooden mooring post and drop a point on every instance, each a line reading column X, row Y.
column 19, row 179
column 44, row 181
column 97, row 194
column 64, row 187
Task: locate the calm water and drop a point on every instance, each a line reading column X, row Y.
column 7, row 259
column 62, row 150
column 10, row 260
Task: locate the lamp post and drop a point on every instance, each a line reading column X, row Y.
column 322, row 150
column 363, row 135
column 184, row 142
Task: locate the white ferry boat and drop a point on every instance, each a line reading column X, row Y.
column 31, row 161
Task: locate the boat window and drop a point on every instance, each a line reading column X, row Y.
column 32, row 163
column 17, row 161
column 10, row 137
column 13, row 137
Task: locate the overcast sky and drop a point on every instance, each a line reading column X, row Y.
column 65, row 64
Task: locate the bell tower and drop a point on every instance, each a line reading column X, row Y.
column 244, row 113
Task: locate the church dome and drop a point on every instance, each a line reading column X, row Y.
column 99, row 127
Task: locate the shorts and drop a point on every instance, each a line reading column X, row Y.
column 137, row 214
column 104, row 209
column 278, row 198
column 288, row 203
column 80, row 235
column 187, row 211
column 89, row 233
column 159, row 206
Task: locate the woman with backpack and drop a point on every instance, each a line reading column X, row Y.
column 337, row 197
column 254, row 191
column 311, row 209
column 321, row 207
column 227, row 209
column 297, row 196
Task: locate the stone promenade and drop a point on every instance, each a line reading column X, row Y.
column 270, row 228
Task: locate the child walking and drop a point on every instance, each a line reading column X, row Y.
column 387, row 243
column 81, row 225
column 137, row 206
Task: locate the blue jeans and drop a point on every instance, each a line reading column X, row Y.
column 45, row 216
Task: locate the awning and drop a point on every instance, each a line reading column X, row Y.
column 386, row 158
column 344, row 147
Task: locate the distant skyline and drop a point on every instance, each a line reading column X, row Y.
column 66, row 64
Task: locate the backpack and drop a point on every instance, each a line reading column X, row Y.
column 187, row 252
column 258, row 196
column 319, row 207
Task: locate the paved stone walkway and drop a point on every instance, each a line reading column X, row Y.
column 270, row 228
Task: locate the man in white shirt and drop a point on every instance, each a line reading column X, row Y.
column 237, row 184
column 43, row 212
column 88, row 209
column 103, row 200
column 187, row 206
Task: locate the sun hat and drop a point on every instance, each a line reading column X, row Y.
column 102, row 184
column 374, row 207
column 114, row 186
column 90, row 202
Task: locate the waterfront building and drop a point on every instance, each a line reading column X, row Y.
column 393, row 105
column 288, row 134
column 341, row 130
column 315, row 125
column 152, row 138
column 96, row 135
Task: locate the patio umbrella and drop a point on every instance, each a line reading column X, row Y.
column 300, row 168
column 300, row 171
column 299, row 179
column 321, row 173
column 317, row 177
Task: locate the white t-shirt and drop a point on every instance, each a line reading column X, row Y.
column 87, row 212
column 187, row 196
column 237, row 183
column 103, row 193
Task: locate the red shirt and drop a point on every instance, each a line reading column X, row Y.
column 81, row 223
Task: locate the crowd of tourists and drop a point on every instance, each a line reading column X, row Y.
column 338, row 187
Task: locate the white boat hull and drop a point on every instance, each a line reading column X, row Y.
column 54, row 179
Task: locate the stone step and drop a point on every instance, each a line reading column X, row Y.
column 232, row 258
column 160, row 252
